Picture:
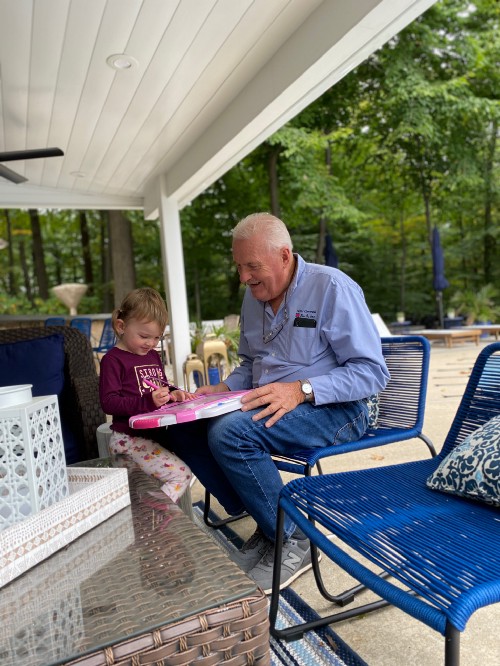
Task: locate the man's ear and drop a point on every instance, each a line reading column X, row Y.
column 286, row 256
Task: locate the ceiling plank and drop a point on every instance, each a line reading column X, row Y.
column 45, row 56
column 15, row 49
column 215, row 79
column 127, row 86
column 76, row 55
column 330, row 43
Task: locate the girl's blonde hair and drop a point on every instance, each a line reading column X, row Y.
column 144, row 305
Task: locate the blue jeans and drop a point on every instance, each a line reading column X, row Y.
column 231, row 454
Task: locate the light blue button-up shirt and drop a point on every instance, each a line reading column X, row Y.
column 335, row 344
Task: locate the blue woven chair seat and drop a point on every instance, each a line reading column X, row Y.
column 444, row 548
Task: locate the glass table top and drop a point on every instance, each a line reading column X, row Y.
column 145, row 567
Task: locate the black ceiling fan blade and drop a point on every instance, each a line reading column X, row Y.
column 30, row 154
column 14, row 177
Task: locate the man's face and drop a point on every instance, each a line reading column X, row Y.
column 264, row 271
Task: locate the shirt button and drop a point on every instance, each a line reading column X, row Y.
column 267, row 372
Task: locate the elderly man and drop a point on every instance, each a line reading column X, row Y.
column 312, row 355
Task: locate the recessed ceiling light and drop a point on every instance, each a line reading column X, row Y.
column 77, row 174
column 121, row 61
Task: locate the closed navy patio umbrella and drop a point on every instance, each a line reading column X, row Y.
column 331, row 258
column 439, row 281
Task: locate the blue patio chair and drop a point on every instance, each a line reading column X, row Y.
column 83, row 324
column 401, row 407
column 107, row 340
column 442, row 548
column 55, row 321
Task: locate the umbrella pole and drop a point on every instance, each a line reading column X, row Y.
column 439, row 301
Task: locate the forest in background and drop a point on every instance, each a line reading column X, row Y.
column 406, row 142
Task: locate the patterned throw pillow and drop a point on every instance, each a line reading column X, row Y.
column 373, row 405
column 472, row 469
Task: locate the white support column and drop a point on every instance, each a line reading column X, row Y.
column 175, row 281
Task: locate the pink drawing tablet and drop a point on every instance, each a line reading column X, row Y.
column 203, row 407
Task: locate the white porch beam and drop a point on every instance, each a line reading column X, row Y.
column 29, row 196
column 175, row 282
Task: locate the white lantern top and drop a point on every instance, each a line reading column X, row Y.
column 15, row 395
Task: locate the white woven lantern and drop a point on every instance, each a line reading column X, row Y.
column 32, row 462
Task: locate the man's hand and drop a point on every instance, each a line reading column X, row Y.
column 212, row 388
column 279, row 397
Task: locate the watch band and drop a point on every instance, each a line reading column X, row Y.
column 307, row 390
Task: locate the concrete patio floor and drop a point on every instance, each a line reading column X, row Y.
column 389, row 637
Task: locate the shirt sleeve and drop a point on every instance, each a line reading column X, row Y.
column 113, row 400
column 355, row 342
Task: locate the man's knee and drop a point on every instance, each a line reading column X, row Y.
column 229, row 430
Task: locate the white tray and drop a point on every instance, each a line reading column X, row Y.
column 95, row 495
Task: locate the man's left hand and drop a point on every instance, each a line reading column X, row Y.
column 280, row 398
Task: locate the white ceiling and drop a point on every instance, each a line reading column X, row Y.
column 213, row 79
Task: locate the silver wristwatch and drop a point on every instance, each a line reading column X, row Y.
column 307, row 390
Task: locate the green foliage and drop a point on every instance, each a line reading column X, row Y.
column 478, row 306
column 14, row 305
column 230, row 338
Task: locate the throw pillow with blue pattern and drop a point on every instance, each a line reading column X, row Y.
column 373, row 407
column 472, row 469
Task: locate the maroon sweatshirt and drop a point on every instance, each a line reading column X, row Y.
column 122, row 390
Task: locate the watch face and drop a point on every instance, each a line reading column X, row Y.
column 306, row 388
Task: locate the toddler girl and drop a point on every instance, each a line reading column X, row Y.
column 132, row 381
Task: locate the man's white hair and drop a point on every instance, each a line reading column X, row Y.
column 269, row 227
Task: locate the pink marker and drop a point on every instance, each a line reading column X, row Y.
column 149, row 383
column 170, row 387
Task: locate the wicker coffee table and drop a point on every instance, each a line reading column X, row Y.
column 146, row 586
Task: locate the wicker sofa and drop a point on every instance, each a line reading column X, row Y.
column 79, row 405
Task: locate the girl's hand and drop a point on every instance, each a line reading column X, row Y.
column 161, row 396
column 180, row 396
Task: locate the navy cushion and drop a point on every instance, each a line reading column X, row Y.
column 472, row 469
column 40, row 362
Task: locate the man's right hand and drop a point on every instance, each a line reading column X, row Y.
column 212, row 388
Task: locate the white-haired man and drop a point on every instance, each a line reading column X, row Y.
column 312, row 355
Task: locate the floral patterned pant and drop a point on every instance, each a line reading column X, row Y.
column 154, row 460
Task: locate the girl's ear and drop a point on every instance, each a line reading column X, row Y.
column 120, row 327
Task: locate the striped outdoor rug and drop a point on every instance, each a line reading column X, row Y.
column 321, row 647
